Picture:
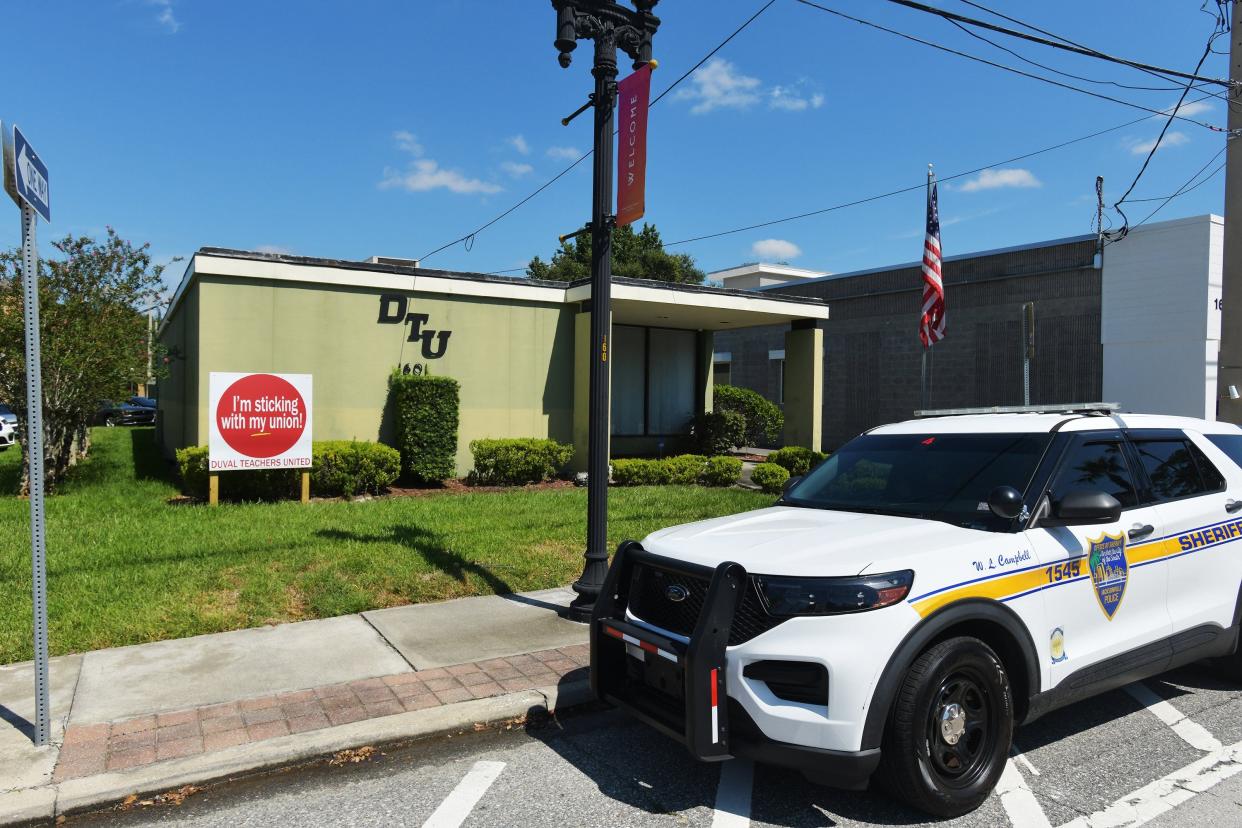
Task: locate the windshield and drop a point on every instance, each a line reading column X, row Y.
column 945, row 477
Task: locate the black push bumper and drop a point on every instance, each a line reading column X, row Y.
column 681, row 689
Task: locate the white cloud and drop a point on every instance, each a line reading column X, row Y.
column 792, row 100
column 408, row 142
column 564, row 153
column 424, row 174
column 274, row 249
column 1189, row 110
column 165, row 16
column 515, row 169
column 775, row 249
column 519, row 144
column 719, row 84
column 1173, row 138
column 995, row 179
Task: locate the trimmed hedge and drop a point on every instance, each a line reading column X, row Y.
column 683, row 470
column 426, row 413
column 797, row 460
column 721, row 471
column 518, row 460
column 719, row 432
column 349, row 467
column 338, row 468
column 764, row 420
column 770, row 477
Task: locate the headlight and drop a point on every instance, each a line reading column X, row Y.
column 784, row 596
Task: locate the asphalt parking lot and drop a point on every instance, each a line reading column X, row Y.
column 1163, row 752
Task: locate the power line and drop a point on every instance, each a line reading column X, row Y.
column 468, row 239
column 1064, row 44
column 1183, row 190
column 1002, row 66
column 1054, row 70
column 921, row 185
column 1125, row 227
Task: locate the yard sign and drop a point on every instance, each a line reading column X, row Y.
column 259, row 421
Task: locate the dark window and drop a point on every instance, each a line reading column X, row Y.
column 1213, row 480
column 1230, row 444
column 1099, row 466
column 1170, row 468
column 945, row 477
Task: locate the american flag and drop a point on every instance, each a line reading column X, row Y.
column 931, row 324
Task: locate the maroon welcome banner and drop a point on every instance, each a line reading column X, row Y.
column 633, row 98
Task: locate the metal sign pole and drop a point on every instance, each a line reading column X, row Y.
column 34, row 450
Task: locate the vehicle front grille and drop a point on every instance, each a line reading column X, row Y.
column 649, row 602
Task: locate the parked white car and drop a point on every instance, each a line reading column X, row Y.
column 8, row 435
column 928, row 587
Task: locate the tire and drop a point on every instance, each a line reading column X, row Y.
column 948, row 768
column 110, row 422
column 1230, row 667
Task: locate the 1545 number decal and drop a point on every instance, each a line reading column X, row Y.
column 1064, row 571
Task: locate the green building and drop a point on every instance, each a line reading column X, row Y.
column 518, row 347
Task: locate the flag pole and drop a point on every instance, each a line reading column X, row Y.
column 924, row 395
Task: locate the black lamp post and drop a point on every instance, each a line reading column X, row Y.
column 610, row 25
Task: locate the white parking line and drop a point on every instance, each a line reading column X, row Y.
column 461, row 801
column 1021, row 806
column 1165, row 794
column 1192, row 733
column 737, row 777
column 1020, row 758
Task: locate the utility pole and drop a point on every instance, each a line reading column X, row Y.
column 1229, row 366
column 609, row 25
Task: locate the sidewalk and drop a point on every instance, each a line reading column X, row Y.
column 151, row 717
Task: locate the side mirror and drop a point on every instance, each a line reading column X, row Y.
column 1005, row 502
column 790, row 483
column 1084, row 507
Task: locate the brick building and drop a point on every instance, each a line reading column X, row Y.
column 1139, row 325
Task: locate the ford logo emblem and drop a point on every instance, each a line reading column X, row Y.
column 676, row 592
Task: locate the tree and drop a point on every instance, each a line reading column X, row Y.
column 636, row 255
column 94, row 338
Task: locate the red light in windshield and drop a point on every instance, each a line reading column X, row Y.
column 929, row 441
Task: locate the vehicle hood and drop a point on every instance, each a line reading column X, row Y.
column 787, row 540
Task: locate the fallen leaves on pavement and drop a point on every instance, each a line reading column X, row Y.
column 353, row 756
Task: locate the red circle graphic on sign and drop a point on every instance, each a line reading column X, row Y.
column 261, row 415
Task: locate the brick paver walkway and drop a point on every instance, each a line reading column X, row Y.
column 95, row 748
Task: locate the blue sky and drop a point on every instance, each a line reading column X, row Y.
column 353, row 129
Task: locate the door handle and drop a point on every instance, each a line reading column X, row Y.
column 1143, row 531
column 1232, row 506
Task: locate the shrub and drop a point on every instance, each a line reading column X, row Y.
column 721, row 471
column 339, row 468
column 426, row 413
column 719, row 432
column 797, row 460
column 515, row 461
column 684, row 469
column 769, row 477
column 764, row 421
column 259, row 484
column 635, row 472
column 349, row 467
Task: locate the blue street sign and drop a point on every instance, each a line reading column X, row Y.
column 26, row 175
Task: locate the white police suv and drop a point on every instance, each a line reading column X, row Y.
column 926, row 588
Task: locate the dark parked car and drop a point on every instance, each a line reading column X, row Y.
column 7, row 415
column 123, row 413
column 143, row 402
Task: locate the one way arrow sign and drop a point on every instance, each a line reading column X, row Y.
column 25, row 174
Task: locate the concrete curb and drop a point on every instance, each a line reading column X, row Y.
column 73, row 795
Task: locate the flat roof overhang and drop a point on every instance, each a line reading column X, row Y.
column 655, row 304
column 634, row 301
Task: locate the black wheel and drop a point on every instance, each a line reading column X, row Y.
column 950, row 729
column 110, row 422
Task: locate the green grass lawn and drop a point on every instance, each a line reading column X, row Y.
column 125, row 566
